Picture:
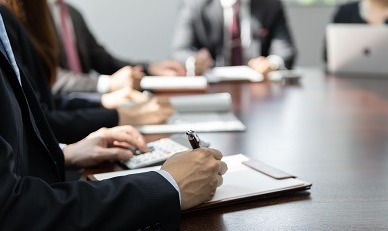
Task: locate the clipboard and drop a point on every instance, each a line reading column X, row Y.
column 246, row 180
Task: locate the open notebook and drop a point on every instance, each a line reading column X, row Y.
column 245, row 180
column 233, row 73
column 201, row 113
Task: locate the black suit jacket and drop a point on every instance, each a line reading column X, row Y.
column 33, row 193
column 68, row 126
column 200, row 24
column 348, row 13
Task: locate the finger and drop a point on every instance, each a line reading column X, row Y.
column 114, row 154
column 216, row 154
column 138, row 68
column 222, row 168
column 220, row 180
column 180, row 70
column 130, row 136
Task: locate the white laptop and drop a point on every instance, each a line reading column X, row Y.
column 357, row 49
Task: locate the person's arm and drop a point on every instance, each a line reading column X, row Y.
column 72, row 126
column 183, row 43
column 282, row 44
column 125, row 203
column 68, row 81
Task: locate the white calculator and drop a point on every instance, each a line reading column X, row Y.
column 161, row 150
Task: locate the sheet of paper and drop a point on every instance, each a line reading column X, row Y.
column 201, row 113
column 173, row 83
column 219, row 102
column 233, row 73
column 239, row 180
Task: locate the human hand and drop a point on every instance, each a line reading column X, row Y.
column 126, row 77
column 166, row 68
column 261, row 65
column 106, row 144
column 153, row 111
column 203, row 61
column 198, row 173
column 120, row 97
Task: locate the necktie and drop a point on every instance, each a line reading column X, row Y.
column 6, row 49
column 236, row 52
column 68, row 39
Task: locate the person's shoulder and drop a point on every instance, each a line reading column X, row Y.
column 349, row 7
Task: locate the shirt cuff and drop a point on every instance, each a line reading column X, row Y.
column 103, row 84
column 62, row 146
column 172, row 181
column 277, row 62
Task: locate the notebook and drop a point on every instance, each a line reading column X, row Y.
column 201, row 113
column 357, row 49
column 173, row 83
column 233, row 73
column 246, row 179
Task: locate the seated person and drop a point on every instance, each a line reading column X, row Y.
column 365, row 11
column 39, row 60
column 34, row 194
column 82, row 53
column 374, row 12
column 223, row 33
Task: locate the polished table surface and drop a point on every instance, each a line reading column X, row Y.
column 331, row 131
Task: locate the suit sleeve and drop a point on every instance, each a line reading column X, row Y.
column 282, row 43
column 68, row 81
column 125, row 203
column 183, row 43
column 72, row 126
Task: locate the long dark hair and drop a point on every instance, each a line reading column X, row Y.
column 35, row 16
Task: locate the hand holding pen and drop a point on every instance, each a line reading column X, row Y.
column 197, row 172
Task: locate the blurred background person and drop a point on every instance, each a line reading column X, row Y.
column 233, row 32
column 39, row 58
column 81, row 54
column 373, row 12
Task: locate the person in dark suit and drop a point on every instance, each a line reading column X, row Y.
column 217, row 31
column 34, row 194
column 94, row 57
column 71, row 126
column 363, row 12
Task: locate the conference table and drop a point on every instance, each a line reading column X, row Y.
column 328, row 130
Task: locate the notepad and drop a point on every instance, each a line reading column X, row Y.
column 233, row 73
column 173, row 83
column 240, row 182
column 201, row 113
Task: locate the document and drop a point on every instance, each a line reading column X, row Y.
column 173, row 83
column 233, row 73
column 241, row 182
column 202, row 113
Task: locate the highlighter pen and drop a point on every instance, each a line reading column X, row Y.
column 193, row 139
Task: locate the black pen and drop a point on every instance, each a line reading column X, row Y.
column 193, row 139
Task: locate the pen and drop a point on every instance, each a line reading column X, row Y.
column 193, row 139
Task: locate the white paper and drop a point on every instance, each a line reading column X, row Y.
column 233, row 73
column 173, row 83
column 201, row 113
column 238, row 181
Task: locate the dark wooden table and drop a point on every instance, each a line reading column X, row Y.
column 331, row 131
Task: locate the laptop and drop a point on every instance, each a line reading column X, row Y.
column 357, row 49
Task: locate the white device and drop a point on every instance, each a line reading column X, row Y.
column 357, row 49
column 161, row 150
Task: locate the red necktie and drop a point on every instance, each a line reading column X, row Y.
column 68, row 40
column 236, row 52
